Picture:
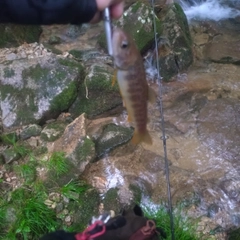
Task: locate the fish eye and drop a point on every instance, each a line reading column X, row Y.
column 124, row 44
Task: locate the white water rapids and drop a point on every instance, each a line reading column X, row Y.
column 210, row 9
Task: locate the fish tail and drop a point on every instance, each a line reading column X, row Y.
column 141, row 137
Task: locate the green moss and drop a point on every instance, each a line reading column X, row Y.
column 30, row 131
column 36, row 73
column 6, row 90
column 137, row 194
column 96, row 103
column 111, row 200
column 182, row 21
column 136, row 7
column 52, row 131
column 86, row 150
column 25, row 101
column 65, row 98
column 112, row 137
column 76, row 53
column 15, row 35
column 8, row 72
column 83, row 212
column 72, row 64
column 102, row 42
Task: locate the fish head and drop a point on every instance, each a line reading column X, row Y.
column 125, row 52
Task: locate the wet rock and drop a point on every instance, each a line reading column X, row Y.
column 30, row 131
column 38, row 89
column 216, row 124
column 52, row 131
column 10, row 155
column 79, row 148
column 208, row 229
column 111, row 200
column 222, row 50
column 177, row 55
column 82, row 213
column 231, row 188
column 213, row 210
column 96, row 94
column 91, row 56
column 13, row 35
column 111, row 137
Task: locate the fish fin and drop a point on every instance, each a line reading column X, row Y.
column 152, row 97
column 141, row 137
column 114, row 78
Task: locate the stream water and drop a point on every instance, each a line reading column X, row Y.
column 202, row 119
column 210, row 9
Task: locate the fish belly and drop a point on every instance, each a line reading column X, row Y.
column 134, row 94
column 122, row 77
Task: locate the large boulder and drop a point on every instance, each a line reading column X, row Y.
column 175, row 45
column 79, row 148
column 36, row 86
column 96, row 93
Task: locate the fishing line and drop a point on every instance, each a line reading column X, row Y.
column 164, row 138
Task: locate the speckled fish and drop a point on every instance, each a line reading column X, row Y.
column 132, row 82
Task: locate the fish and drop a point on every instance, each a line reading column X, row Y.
column 132, row 83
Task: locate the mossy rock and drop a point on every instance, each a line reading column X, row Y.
column 111, row 200
column 12, row 35
column 40, row 90
column 177, row 33
column 112, row 136
column 52, row 131
column 85, row 152
column 90, row 55
column 138, row 21
column 10, row 155
column 96, row 94
column 30, row 131
column 87, row 207
column 190, row 199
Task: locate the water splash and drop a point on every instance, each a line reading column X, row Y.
column 209, row 9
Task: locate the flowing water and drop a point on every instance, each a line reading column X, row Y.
column 202, row 119
column 210, row 9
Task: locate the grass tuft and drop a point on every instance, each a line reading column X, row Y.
column 33, row 217
column 183, row 228
column 74, row 189
column 58, row 163
column 27, row 171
